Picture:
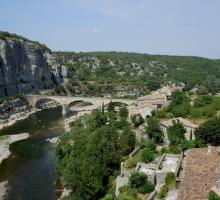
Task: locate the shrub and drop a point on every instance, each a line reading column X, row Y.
column 213, row 196
column 209, row 132
column 130, row 163
column 175, row 149
column 170, row 180
column 147, row 187
column 151, row 145
column 137, row 179
column 127, row 193
column 163, row 192
column 108, row 197
column 147, row 155
column 137, row 120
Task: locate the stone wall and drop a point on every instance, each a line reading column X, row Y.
column 26, row 67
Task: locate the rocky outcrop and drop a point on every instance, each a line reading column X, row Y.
column 26, row 67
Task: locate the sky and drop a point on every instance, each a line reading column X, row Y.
column 171, row 27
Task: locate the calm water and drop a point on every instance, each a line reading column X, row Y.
column 30, row 170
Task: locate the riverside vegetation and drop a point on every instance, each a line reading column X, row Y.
column 89, row 156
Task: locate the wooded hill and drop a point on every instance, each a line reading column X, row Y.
column 135, row 74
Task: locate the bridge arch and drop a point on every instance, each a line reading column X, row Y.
column 35, row 102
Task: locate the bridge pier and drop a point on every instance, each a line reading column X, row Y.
column 64, row 110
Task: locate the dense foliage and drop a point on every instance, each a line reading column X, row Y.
column 153, row 130
column 176, row 133
column 139, row 182
column 170, row 183
column 181, row 105
column 209, row 132
column 133, row 74
column 213, row 196
column 92, row 152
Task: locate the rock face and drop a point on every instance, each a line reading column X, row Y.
column 26, row 67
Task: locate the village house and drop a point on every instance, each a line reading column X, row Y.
column 156, row 99
column 201, row 174
column 189, row 126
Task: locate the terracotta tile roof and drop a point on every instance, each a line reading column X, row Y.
column 185, row 122
column 200, row 174
column 152, row 97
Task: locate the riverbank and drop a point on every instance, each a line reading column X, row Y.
column 3, row 189
column 69, row 120
column 17, row 117
column 6, row 141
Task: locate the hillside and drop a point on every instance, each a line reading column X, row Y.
column 133, row 74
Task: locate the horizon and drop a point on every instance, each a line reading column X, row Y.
column 163, row 27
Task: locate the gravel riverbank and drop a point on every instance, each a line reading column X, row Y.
column 6, row 141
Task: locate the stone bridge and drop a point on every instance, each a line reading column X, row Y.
column 66, row 102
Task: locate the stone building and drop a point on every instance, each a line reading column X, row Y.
column 189, row 126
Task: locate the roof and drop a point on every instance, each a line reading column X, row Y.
column 200, row 174
column 183, row 121
column 152, row 97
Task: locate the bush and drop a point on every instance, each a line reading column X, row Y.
column 209, row 132
column 190, row 144
column 108, row 197
column 151, row 145
column 147, row 155
column 130, row 163
column 137, row 179
column 213, row 196
column 139, row 182
column 170, row 180
column 127, row 193
column 175, row 149
column 163, row 192
column 137, row 120
column 147, row 187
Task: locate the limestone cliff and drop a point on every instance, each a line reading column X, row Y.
column 26, row 67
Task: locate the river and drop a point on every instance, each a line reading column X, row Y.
column 31, row 168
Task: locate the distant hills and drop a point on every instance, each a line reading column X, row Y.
column 135, row 74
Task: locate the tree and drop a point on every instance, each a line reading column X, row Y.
column 147, row 155
column 180, row 104
column 127, row 140
column 111, row 107
column 213, row 196
column 202, row 90
column 137, row 179
column 176, row 133
column 150, row 144
column 137, row 120
column 123, row 112
column 153, row 129
column 209, row 132
column 139, row 182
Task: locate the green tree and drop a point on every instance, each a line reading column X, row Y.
column 213, row 196
column 123, row 112
column 111, row 107
column 147, row 155
column 209, row 132
column 137, row 120
column 153, row 129
column 176, row 133
column 139, row 182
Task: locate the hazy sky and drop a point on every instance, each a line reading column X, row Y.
column 177, row 27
